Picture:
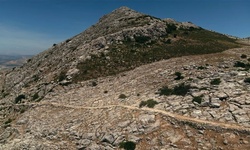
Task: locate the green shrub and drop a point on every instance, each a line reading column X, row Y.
column 201, row 68
column 168, row 41
column 243, row 56
column 68, row 40
column 128, row 145
column 62, row 76
column 141, row 39
column 181, row 89
column 241, row 64
column 178, row 76
column 94, row 83
column 216, row 81
column 247, row 80
column 35, row 96
column 5, row 94
column 149, row 103
column 122, row 96
column 19, row 98
column 35, row 77
column 22, row 110
column 143, row 103
column 165, row 91
column 197, row 99
column 170, row 28
column 8, row 121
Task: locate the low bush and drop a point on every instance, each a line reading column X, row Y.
column 170, row 28
column 62, row 76
column 168, row 41
column 197, row 99
column 180, row 90
column 19, row 98
column 122, row 96
column 178, row 76
column 94, row 83
column 149, row 103
column 239, row 64
column 141, row 39
column 35, row 96
column 201, row 68
column 242, row 65
column 247, row 80
column 8, row 121
column 128, row 145
column 243, row 56
column 165, row 91
column 216, row 81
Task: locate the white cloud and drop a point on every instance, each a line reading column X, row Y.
column 18, row 41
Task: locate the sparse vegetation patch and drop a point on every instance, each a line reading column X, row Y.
column 165, row 91
column 180, row 90
column 128, row 145
column 62, row 76
column 197, row 99
column 201, row 68
column 216, row 81
column 242, row 65
column 122, row 96
column 35, row 96
column 19, row 98
column 178, row 76
column 149, row 103
column 247, row 80
column 243, row 56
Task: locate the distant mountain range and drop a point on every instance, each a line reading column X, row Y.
column 9, row 61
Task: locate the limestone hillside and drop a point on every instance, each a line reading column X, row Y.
column 131, row 81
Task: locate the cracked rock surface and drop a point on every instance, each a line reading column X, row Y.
column 83, row 116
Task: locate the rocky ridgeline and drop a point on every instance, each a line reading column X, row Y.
column 41, row 73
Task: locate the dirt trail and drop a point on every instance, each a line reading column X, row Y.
column 204, row 123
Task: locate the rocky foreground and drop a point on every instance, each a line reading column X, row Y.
column 213, row 113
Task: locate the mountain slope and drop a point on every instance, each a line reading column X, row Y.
column 124, row 60
column 95, row 116
column 120, row 41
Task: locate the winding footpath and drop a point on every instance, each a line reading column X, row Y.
column 184, row 119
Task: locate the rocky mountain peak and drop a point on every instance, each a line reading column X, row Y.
column 124, row 9
column 90, row 91
column 118, row 17
column 122, row 12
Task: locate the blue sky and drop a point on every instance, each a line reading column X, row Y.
column 31, row 26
